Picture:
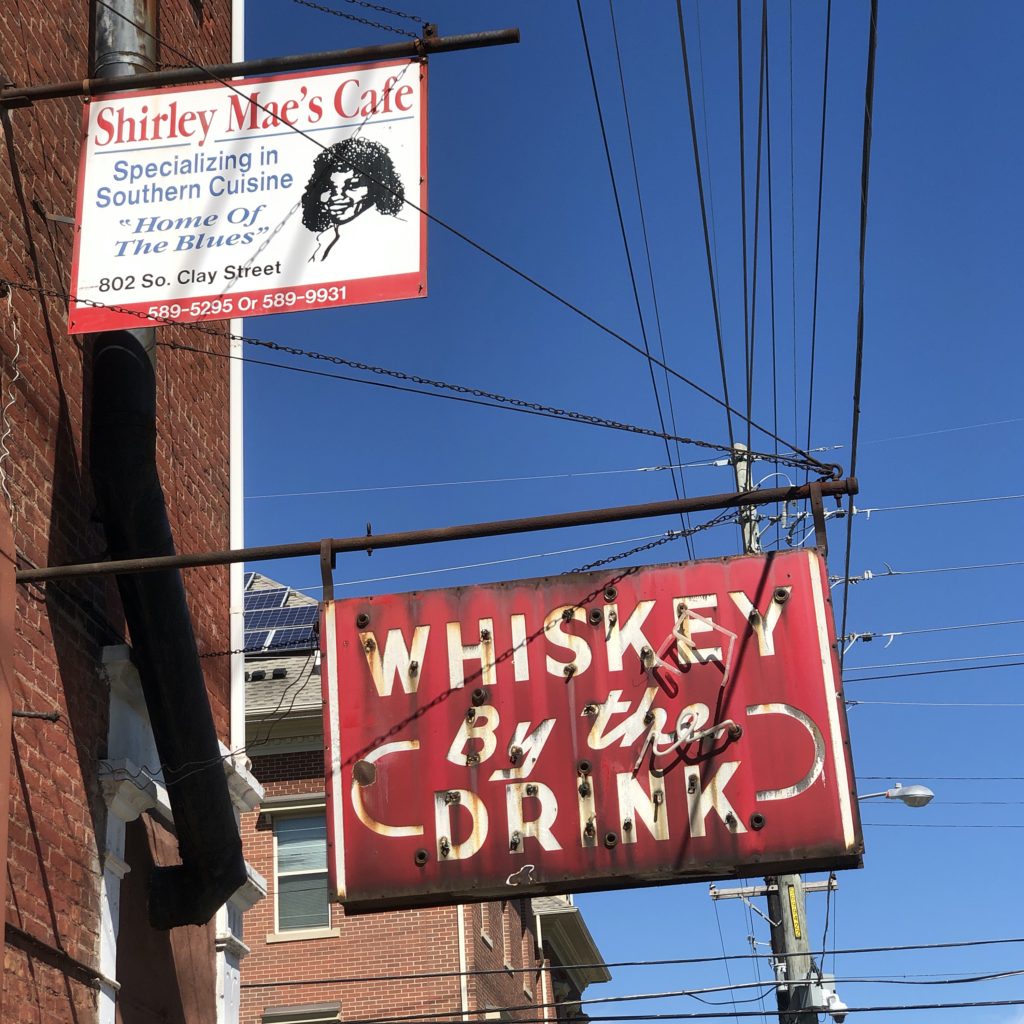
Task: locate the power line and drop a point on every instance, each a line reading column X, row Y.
column 891, row 634
column 936, row 672
column 943, row 778
column 470, row 395
column 918, row 824
column 931, row 661
column 622, row 231
column 490, row 562
column 929, row 704
column 868, row 574
column 771, row 248
column 693, row 993
column 932, row 504
column 817, row 237
column 650, row 262
column 704, row 221
column 455, row 1018
column 668, row 962
column 743, row 202
column 869, row 99
column 488, row 480
column 762, row 79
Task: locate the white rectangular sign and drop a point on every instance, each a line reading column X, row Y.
column 205, row 202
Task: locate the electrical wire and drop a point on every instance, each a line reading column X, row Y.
column 460, row 392
column 762, row 79
column 479, row 247
column 928, row 704
column 933, row 504
column 932, row 661
column 743, row 206
column 771, row 249
column 721, row 939
column 487, row 480
column 936, row 672
column 890, row 571
column 817, row 238
column 869, row 636
column 668, row 962
column 694, row 993
column 650, row 265
column 625, row 240
column 858, row 372
column 704, row 221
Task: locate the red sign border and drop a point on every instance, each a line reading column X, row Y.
column 839, row 746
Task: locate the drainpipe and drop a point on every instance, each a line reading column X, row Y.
column 131, row 506
column 119, row 49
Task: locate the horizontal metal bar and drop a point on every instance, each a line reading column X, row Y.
column 471, row 531
column 748, row 891
column 266, row 65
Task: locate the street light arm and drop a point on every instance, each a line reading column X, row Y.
column 912, row 796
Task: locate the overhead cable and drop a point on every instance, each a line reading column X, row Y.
column 625, row 240
column 858, row 372
column 465, row 238
column 650, row 262
column 817, row 236
column 704, row 221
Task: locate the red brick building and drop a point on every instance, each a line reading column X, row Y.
column 309, row 963
column 88, row 815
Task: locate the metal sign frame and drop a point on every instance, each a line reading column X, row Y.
column 596, row 731
column 280, row 193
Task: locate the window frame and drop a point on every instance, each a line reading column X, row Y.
column 301, row 807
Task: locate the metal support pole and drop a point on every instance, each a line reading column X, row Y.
column 786, row 910
column 98, row 85
column 470, row 531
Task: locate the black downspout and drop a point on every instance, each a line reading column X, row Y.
column 122, row 450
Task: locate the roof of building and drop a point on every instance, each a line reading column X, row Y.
column 279, row 682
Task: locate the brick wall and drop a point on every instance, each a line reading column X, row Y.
column 57, row 812
column 376, row 946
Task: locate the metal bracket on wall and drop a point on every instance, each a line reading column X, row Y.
column 328, row 559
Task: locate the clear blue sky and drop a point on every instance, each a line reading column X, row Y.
column 516, row 162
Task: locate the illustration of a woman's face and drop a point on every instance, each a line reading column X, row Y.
column 346, row 195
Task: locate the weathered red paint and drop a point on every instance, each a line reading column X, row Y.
column 774, row 794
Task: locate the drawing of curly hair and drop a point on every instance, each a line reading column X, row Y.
column 365, row 157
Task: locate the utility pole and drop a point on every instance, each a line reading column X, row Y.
column 786, row 911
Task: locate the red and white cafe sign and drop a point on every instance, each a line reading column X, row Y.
column 593, row 731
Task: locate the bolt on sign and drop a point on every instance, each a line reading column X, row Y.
column 287, row 192
column 593, row 731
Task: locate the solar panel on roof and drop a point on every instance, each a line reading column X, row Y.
column 256, row 640
column 249, row 577
column 281, row 618
column 273, row 597
column 293, row 638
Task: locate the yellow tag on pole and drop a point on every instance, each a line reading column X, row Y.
column 794, row 912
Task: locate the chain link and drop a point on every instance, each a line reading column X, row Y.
column 364, row 21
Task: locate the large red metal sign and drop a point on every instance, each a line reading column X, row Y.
column 594, row 731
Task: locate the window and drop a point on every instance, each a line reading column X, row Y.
column 300, row 847
column 318, row 1013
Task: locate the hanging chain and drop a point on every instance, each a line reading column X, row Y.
column 365, row 21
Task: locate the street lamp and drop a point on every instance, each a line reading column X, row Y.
column 912, row 796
